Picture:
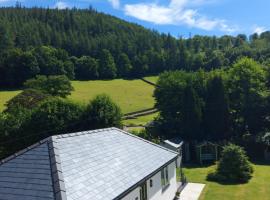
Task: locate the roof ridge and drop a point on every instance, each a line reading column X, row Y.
column 79, row 133
column 56, row 170
column 154, row 144
column 20, row 152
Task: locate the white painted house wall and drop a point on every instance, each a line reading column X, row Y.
column 155, row 192
column 133, row 195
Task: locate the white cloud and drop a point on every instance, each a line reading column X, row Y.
column 115, row 3
column 259, row 29
column 176, row 13
column 61, row 5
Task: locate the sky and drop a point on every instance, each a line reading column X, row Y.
column 181, row 18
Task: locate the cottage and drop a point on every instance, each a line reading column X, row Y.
column 105, row 164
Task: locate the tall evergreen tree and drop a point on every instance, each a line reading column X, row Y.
column 124, row 65
column 216, row 112
column 191, row 114
column 107, row 68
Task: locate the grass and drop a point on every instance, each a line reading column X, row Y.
column 130, row 95
column 5, row 96
column 257, row 188
column 140, row 121
column 152, row 79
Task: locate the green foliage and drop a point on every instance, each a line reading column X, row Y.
column 102, row 112
column 52, row 61
column 17, row 66
column 107, row 68
column 191, row 115
column 86, row 68
column 54, row 116
column 28, row 99
column 51, row 85
column 180, row 104
column 216, row 111
column 124, row 66
column 233, row 166
column 248, row 94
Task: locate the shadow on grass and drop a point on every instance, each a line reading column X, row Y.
column 261, row 162
column 195, row 165
column 10, row 89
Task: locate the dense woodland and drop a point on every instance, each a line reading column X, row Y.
column 86, row 44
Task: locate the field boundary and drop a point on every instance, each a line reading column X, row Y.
column 140, row 113
column 149, row 82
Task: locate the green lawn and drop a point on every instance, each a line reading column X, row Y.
column 140, row 121
column 5, row 96
column 257, row 188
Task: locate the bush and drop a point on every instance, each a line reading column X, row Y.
column 54, row 116
column 27, row 99
column 233, row 166
column 102, row 112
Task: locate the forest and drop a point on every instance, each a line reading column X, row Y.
column 84, row 44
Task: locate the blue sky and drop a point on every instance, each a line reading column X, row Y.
column 178, row 17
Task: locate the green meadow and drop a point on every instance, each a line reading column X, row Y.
column 130, row 95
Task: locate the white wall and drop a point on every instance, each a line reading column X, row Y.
column 155, row 192
column 132, row 195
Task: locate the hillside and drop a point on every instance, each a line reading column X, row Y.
column 84, row 44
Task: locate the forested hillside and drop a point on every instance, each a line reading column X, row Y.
column 86, row 45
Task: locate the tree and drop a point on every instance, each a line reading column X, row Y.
column 216, row 111
column 191, row 114
column 18, row 66
column 53, row 116
column 51, row 85
column 86, row 68
column 107, row 68
column 102, row 112
column 5, row 39
column 124, row 65
column 233, row 166
column 248, row 95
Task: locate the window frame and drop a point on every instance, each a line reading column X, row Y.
column 165, row 182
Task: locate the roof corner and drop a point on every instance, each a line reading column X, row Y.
column 56, row 169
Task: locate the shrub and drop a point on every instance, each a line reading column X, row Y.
column 102, row 112
column 233, row 166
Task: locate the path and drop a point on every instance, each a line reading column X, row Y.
column 192, row 191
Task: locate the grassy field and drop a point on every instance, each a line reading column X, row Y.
column 257, row 188
column 130, row 95
column 140, row 121
column 5, row 96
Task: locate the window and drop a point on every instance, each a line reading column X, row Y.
column 164, row 177
column 151, row 183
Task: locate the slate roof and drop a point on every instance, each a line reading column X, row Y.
column 102, row 164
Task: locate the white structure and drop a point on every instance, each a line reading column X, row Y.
column 175, row 144
column 105, row 164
